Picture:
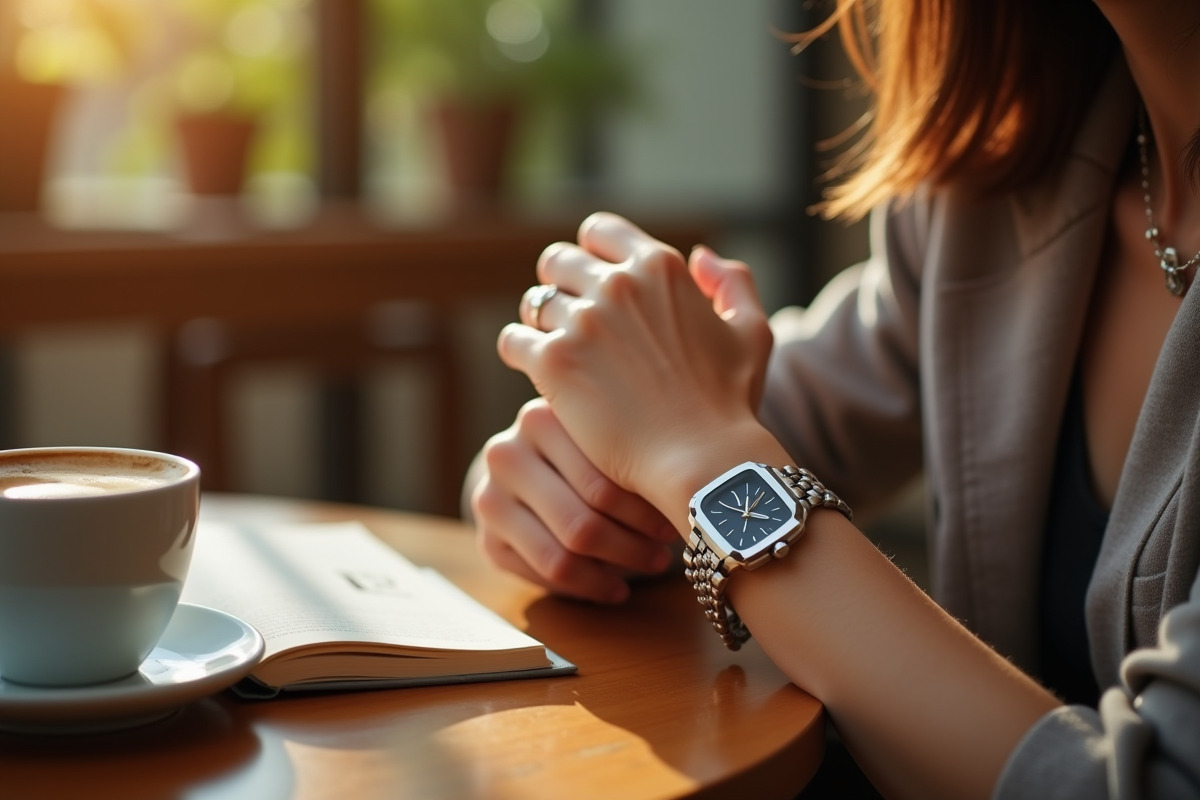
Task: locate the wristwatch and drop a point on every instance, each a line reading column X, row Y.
column 743, row 519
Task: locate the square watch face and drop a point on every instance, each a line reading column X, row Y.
column 745, row 509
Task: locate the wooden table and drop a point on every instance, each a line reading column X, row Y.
column 658, row 709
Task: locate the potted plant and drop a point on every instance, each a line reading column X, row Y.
column 482, row 68
column 236, row 76
column 45, row 48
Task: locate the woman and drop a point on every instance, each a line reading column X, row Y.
column 1025, row 333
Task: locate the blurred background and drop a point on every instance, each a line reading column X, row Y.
column 687, row 107
column 207, row 142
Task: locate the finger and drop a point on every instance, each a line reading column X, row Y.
column 534, row 309
column 579, row 531
column 517, row 540
column 641, row 545
column 570, row 267
column 515, row 345
column 552, row 313
column 581, row 528
column 614, row 238
column 595, row 489
column 729, row 284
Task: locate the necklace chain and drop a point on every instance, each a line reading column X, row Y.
column 1168, row 258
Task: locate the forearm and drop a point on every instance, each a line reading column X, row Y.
column 928, row 710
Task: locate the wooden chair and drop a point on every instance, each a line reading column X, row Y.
column 207, row 353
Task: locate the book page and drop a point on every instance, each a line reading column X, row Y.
column 308, row 584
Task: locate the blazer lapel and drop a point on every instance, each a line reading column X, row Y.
column 1152, row 532
column 1006, row 311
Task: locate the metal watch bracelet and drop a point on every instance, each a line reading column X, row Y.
column 709, row 574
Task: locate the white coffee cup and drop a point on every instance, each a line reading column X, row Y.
column 95, row 543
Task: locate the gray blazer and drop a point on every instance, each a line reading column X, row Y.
column 952, row 351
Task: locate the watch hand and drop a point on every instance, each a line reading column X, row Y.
column 731, row 508
column 761, row 495
column 757, row 515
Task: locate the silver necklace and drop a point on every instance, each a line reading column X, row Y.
column 1168, row 258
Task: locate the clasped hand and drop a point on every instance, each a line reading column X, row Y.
column 638, row 357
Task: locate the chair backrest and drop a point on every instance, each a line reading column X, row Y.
column 208, row 353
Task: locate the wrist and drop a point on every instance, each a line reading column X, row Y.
column 684, row 470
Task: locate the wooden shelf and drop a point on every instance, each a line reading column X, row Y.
column 332, row 269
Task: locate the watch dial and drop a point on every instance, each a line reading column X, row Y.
column 746, row 509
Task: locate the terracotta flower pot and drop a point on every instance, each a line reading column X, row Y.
column 476, row 144
column 215, row 147
column 30, row 113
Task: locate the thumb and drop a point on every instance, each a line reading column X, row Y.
column 728, row 284
column 730, row 287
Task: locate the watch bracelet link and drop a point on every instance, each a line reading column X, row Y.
column 810, row 492
column 707, row 572
column 704, row 570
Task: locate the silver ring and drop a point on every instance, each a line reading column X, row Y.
column 538, row 297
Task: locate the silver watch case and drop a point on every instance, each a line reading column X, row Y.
column 776, row 545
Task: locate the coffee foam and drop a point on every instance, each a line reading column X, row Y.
column 49, row 475
column 48, row 485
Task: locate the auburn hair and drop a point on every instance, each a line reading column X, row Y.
column 982, row 92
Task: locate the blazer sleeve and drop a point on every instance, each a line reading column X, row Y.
column 842, row 390
column 1143, row 742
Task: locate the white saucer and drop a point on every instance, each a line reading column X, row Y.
column 202, row 652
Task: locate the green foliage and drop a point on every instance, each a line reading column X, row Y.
column 484, row 50
column 244, row 56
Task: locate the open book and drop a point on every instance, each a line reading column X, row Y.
column 339, row 609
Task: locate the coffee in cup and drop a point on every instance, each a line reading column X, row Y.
column 95, row 544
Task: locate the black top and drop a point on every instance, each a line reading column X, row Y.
column 1075, row 523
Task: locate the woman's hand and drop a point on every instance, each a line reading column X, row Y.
column 644, row 359
column 544, row 512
